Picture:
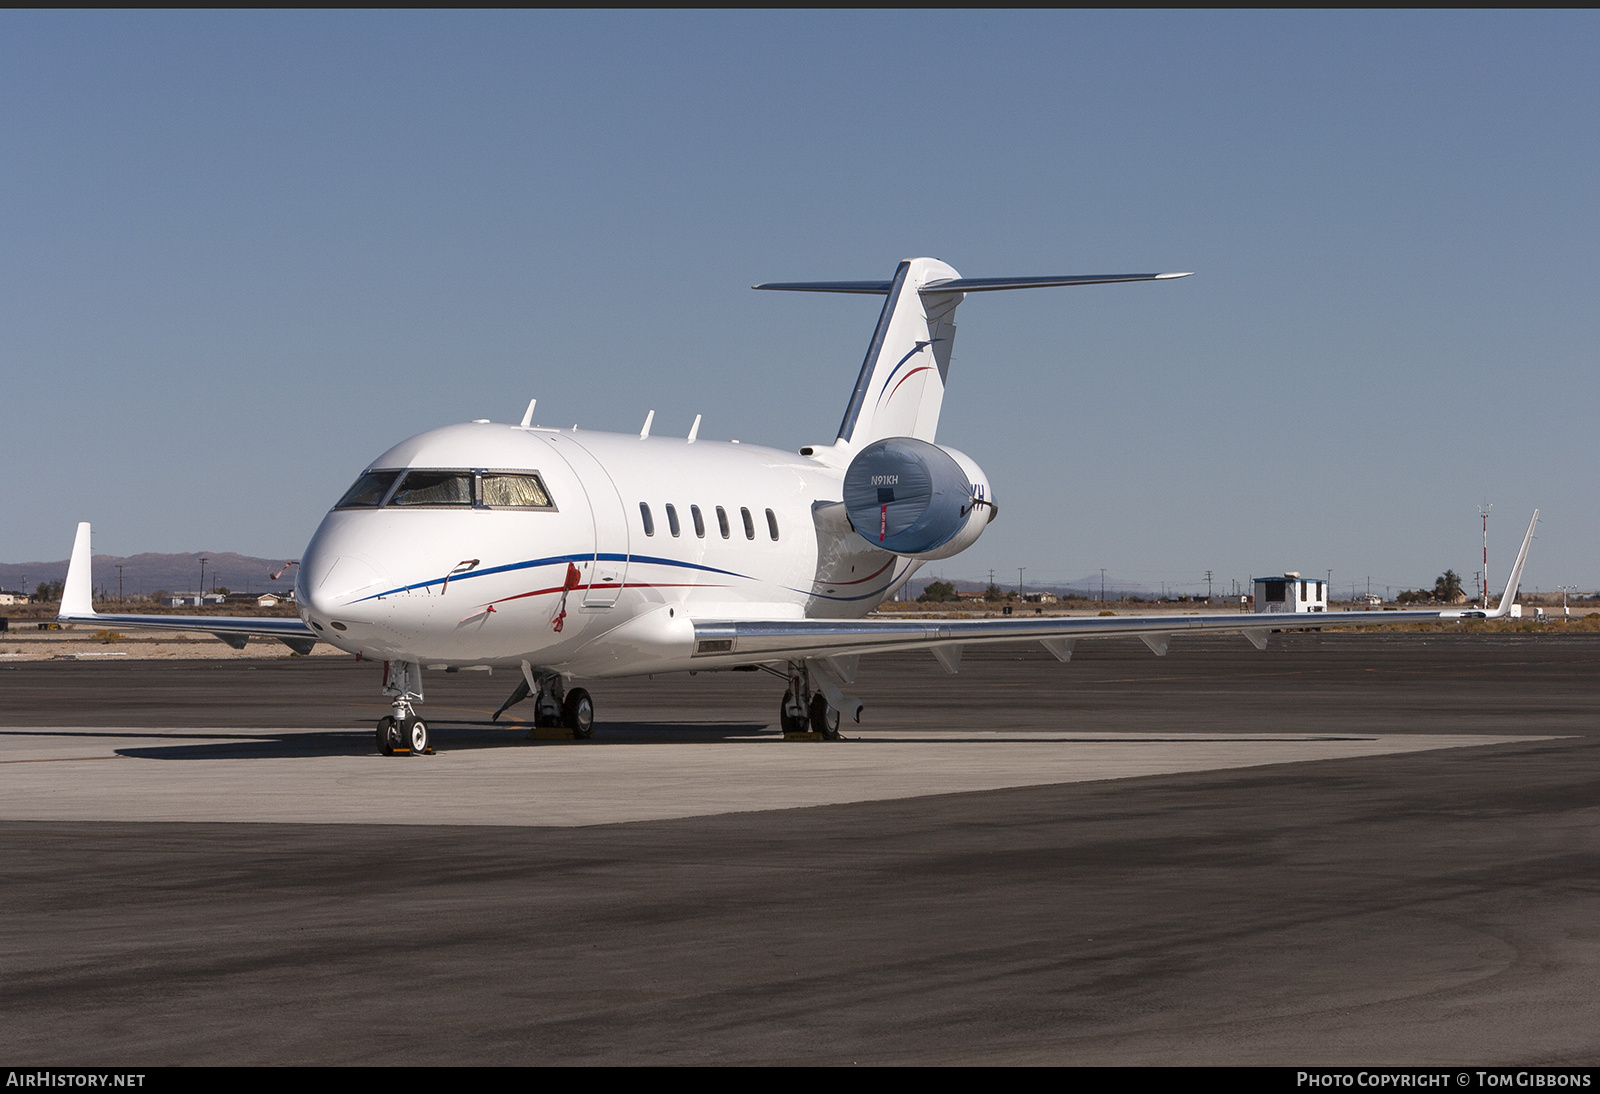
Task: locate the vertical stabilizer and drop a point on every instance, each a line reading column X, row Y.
column 901, row 386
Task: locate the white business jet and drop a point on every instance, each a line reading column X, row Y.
column 573, row 555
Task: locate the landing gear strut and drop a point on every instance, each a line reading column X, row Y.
column 403, row 731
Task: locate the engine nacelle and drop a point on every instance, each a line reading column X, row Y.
column 916, row 498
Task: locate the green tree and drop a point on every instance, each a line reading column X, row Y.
column 938, row 592
column 1448, row 587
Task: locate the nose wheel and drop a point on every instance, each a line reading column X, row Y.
column 397, row 736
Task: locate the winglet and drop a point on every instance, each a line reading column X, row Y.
column 1509, row 597
column 77, row 595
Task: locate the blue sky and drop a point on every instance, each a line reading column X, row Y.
column 242, row 254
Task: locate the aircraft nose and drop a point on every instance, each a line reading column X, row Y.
column 335, row 575
column 339, row 582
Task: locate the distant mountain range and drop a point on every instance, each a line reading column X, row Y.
column 148, row 573
column 1115, row 587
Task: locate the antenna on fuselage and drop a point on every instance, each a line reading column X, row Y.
column 648, row 418
column 527, row 415
column 694, row 430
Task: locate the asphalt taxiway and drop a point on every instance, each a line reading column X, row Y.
column 1347, row 848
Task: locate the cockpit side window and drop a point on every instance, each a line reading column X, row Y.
column 450, row 488
column 368, row 491
column 501, row 490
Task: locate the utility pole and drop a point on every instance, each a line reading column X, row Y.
column 119, row 581
column 1483, row 511
column 1208, row 586
column 203, row 561
column 1102, row 584
column 1019, row 582
column 1565, row 589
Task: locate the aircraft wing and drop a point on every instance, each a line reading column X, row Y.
column 77, row 606
column 746, row 641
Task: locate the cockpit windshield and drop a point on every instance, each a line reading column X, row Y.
column 450, row 488
column 368, row 491
column 434, row 488
column 513, row 491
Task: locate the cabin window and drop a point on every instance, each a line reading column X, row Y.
column 699, row 521
column 431, row 488
column 672, row 520
column 500, row 490
column 649, row 521
column 368, row 491
column 722, row 521
column 749, row 525
column 772, row 525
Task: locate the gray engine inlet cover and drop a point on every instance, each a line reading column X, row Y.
column 906, row 496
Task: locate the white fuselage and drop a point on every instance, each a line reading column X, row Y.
column 460, row 585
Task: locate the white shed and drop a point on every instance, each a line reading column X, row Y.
column 1291, row 593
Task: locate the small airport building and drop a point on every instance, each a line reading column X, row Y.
column 1290, row 593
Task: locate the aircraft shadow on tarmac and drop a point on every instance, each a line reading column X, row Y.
column 477, row 736
column 447, row 737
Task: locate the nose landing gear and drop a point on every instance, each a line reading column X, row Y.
column 403, row 731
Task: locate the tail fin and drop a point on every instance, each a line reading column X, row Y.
column 77, row 594
column 1509, row 597
column 901, row 386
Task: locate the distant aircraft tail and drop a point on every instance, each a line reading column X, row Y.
column 77, row 593
column 901, row 386
column 1509, row 597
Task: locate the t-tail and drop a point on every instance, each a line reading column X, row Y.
column 901, row 386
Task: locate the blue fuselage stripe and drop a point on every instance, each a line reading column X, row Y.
column 553, row 560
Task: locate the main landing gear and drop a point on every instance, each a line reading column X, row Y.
column 555, row 707
column 403, row 731
column 806, row 714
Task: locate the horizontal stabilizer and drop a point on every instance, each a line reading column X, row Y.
column 965, row 284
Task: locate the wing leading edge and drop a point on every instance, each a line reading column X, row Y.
column 77, row 606
column 746, row 641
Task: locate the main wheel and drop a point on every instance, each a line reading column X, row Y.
column 824, row 719
column 388, row 735
column 417, row 736
column 577, row 714
column 793, row 716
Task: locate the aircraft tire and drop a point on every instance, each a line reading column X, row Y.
column 577, row 714
column 824, row 719
column 388, row 738
column 791, row 723
column 417, row 737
